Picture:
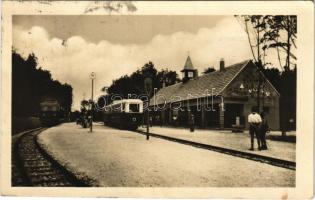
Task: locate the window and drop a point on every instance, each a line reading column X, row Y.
column 190, row 74
column 54, row 108
column 133, row 107
column 45, row 108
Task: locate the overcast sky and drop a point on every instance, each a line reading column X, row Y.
column 71, row 47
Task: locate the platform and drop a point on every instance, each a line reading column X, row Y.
column 228, row 139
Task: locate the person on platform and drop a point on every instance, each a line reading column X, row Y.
column 264, row 128
column 157, row 120
column 151, row 121
column 192, row 123
column 254, row 121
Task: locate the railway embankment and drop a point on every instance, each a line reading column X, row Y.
column 32, row 165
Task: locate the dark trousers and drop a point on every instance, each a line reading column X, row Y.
column 192, row 128
column 254, row 131
column 263, row 138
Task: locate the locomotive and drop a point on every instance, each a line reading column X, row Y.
column 50, row 112
column 124, row 114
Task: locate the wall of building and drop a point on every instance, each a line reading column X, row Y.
column 248, row 79
column 234, row 97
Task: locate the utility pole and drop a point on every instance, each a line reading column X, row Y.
column 148, row 89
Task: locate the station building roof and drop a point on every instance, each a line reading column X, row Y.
column 197, row 87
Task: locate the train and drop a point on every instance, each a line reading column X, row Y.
column 124, row 114
column 50, row 112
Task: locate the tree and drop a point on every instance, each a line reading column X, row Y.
column 274, row 76
column 134, row 84
column 271, row 32
column 287, row 99
column 84, row 106
column 254, row 26
column 208, row 70
column 281, row 35
column 166, row 78
column 23, row 103
column 74, row 115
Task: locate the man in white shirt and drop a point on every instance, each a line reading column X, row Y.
column 254, row 121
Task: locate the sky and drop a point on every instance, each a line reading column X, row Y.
column 71, row 47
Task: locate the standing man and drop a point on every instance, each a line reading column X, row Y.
column 151, row 121
column 254, row 121
column 158, row 121
column 264, row 128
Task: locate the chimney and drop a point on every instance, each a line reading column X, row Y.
column 222, row 64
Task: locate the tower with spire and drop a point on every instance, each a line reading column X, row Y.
column 189, row 71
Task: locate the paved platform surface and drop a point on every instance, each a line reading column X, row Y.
column 227, row 139
column 119, row 158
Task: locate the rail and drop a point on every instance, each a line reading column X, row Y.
column 33, row 166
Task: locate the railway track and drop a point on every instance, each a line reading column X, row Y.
column 255, row 157
column 32, row 166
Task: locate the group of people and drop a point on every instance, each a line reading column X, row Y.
column 258, row 127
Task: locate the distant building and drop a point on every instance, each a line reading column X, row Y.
column 220, row 99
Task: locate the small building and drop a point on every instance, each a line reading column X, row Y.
column 220, row 99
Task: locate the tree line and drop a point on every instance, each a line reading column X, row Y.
column 134, row 83
column 31, row 84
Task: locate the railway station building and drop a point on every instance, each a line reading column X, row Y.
column 221, row 99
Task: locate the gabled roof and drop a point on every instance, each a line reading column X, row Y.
column 197, row 87
column 188, row 64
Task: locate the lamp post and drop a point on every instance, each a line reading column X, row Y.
column 92, row 77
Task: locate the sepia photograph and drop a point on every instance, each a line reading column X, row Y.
column 122, row 99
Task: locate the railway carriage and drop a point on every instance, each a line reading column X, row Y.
column 50, row 112
column 125, row 114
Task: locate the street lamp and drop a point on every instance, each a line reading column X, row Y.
column 92, row 77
